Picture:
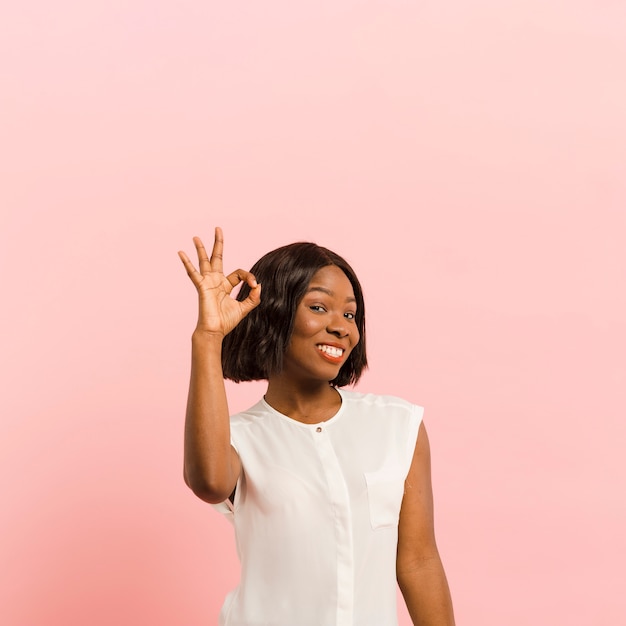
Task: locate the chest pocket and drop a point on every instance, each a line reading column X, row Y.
column 385, row 489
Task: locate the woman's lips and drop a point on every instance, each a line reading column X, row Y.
column 334, row 354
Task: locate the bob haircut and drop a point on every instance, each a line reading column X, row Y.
column 254, row 349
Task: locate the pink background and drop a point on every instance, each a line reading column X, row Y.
column 468, row 158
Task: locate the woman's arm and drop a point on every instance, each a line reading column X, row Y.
column 211, row 465
column 419, row 570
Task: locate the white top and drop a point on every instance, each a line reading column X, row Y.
column 316, row 513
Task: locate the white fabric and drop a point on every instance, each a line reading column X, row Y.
column 316, row 513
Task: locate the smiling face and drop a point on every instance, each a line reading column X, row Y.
column 324, row 329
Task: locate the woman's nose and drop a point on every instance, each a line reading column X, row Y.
column 337, row 326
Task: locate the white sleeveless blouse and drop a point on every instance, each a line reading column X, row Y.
column 316, row 513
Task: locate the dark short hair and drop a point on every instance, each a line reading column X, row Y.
column 254, row 349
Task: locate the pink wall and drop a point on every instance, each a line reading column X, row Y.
column 467, row 157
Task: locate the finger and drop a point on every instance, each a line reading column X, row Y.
column 238, row 276
column 192, row 272
column 203, row 259
column 218, row 251
column 252, row 301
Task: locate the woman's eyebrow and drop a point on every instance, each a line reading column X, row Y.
column 330, row 293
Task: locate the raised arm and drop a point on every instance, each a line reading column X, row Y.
column 420, row 573
column 211, row 465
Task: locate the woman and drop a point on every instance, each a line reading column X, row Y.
column 329, row 490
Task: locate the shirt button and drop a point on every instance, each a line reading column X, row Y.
column 318, row 429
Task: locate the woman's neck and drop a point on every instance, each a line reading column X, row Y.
column 309, row 404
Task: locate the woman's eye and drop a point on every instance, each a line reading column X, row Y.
column 318, row 308
column 349, row 316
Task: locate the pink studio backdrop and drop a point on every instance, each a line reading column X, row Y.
column 469, row 160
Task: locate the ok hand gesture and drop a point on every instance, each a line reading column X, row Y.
column 219, row 313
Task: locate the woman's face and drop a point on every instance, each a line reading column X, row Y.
column 325, row 330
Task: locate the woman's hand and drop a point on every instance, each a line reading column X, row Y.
column 219, row 313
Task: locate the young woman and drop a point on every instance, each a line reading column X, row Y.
column 329, row 490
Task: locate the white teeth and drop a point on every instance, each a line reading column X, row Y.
column 331, row 350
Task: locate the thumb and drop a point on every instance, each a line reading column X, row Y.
column 252, row 301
